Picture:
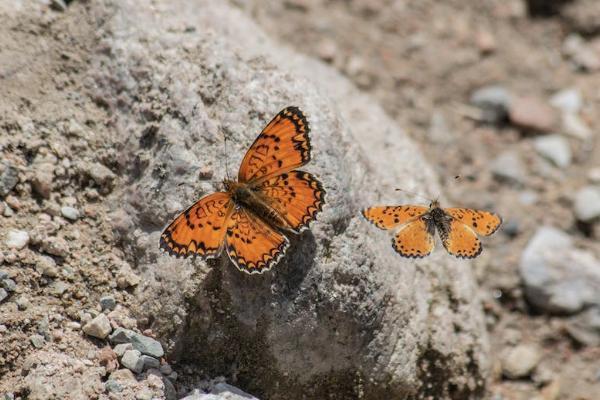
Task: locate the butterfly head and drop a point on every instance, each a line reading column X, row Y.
column 434, row 204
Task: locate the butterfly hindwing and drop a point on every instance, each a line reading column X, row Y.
column 296, row 195
column 483, row 222
column 387, row 217
column 252, row 245
column 200, row 229
column 460, row 240
column 414, row 239
column 282, row 146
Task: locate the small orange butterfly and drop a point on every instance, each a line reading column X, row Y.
column 269, row 196
column 457, row 227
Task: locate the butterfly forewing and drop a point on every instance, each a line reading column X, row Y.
column 200, row 229
column 253, row 245
column 483, row 222
column 296, row 195
column 282, row 146
column 388, row 217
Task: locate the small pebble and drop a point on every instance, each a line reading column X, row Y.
column 16, row 239
column 568, row 101
column 508, row 166
column 113, row 386
column 122, row 375
column 121, row 348
column 166, row 369
column 3, row 295
column 98, row 327
column 587, row 203
column 555, row 148
column 593, row 175
column 9, row 285
column 37, row 341
column 574, row 126
column 150, row 362
column 22, row 303
column 531, row 113
column 132, row 360
column 107, row 303
column 520, row 361
column 70, row 213
column 494, row 101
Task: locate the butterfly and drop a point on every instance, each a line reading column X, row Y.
column 269, row 197
column 458, row 228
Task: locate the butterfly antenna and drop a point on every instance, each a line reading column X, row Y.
column 226, row 158
column 414, row 194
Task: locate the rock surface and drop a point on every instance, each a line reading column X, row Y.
column 354, row 308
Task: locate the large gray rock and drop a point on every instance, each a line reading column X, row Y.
column 341, row 313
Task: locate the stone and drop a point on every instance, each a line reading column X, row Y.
column 58, row 288
column 3, row 295
column 103, row 176
column 108, row 303
column 532, row 114
column 567, row 100
column 520, row 361
column 121, row 348
column 150, row 362
column 98, row 327
column 70, row 213
column 122, row 375
column 581, row 54
column 16, row 239
column 9, row 177
column 47, row 266
column 582, row 16
column 133, row 361
column 558, row 278
column 574, row 126
column 339, row 298
column 584, row 328
column 121, row 335
column 113, row 386
column 58, row 5
column 593, row 175
column 23, row 303
column 166, row 369
column 555, row 148
column 37, row 341
column 9, row 284
column 587, row 203
column 509, row 167
column 147, row 345
column 42, row 181
column 494, row 101
column 55, row 246
column 225, row 390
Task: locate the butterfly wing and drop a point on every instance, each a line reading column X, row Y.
column 200, row 229
column 460, row 240
column 282, row 146
column 385, row 217
column 414, row 239
column 252, row 245
column 482, row 222
column 296, row 196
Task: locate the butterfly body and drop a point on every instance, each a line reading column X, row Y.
column 269, row 197
column 458, row 228
column 245, row 196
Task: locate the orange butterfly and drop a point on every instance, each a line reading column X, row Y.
column 458, row 228
column 269, row 196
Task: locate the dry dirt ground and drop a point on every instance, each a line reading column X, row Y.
column 421, row 60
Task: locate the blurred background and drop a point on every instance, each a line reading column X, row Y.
column 504, row 93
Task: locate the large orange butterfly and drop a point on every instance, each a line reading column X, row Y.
column 269, row 196
column 457, row 227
